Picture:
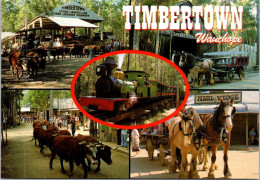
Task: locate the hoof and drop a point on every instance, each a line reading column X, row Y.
column 211, row 176
column 50, row 168
column 216, row 167
column 183, row 176
column 70, row 175
column 195, row 176
column 63, row 171
column 228, row 175
column 97, row 170
column 172, row 169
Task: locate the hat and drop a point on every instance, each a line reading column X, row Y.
column 110, row 60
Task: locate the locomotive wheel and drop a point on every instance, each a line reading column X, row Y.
column 241, row 73
column 230, row 75
column 150, row 149
column 162, row 155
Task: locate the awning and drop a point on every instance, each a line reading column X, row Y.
column 249, row 103
column 6, row 35
column 25, row 109
column 71, row 22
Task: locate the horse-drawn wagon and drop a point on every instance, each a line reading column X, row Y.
column 159, row 142
column 229, row 63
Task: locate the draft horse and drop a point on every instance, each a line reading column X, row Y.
column 176, row 55
column 218, row 133
column 197, row 67
column 181, row 135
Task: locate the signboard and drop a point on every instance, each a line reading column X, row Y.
column 183, row 35
column 214, row 98
column 75, row 10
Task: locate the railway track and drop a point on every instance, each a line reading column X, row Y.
column 135, row 112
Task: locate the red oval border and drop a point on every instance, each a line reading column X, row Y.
column 131, row 52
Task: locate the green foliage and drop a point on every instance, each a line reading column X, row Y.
column 10, row 103
column 39, row 99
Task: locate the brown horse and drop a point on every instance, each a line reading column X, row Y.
column 218, row 133
column 34, row 62
column 16, row 64
column 181, row 134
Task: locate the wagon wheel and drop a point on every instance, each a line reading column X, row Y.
column 162, row 155
column 201, row 156
column 150, row 149
column 221, row 76
column 230, row 75
column 241, row 73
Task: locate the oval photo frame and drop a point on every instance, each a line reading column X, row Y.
column 129, row 52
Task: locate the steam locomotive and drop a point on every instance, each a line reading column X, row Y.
column 120, row 91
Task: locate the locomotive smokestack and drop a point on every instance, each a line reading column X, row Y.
column 120, row 60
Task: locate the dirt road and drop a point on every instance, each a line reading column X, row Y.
column 242, row 164
column 251, row 81
column 21, row 159
column 57, row 75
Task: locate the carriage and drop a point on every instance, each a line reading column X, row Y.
column 229, row 63
column 160, row 142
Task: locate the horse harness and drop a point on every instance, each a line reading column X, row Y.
column 219, row 128
column 180, row 128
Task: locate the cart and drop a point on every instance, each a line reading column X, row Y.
column 229, row 63
column 159, row 142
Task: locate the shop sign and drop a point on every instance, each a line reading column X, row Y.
column 75, row 10
column 214, row 98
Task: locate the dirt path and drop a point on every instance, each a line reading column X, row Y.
column 57, row 75
column 21, row 159
column 251, row 81
column 242, row 164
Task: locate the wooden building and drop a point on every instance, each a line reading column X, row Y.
column 60, row 25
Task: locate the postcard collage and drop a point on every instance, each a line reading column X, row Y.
column 129, row 89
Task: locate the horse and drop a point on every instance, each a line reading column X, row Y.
column 16, row 63
column 34, row 62
column 181, row 135
column 218, row 133
column 176, row 59
column 197, row 68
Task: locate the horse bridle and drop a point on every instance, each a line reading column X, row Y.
column 223, row 127
column 186, row 119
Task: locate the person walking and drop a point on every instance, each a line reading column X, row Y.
column 123, row 138
column 135, row 140
column 73, row 126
